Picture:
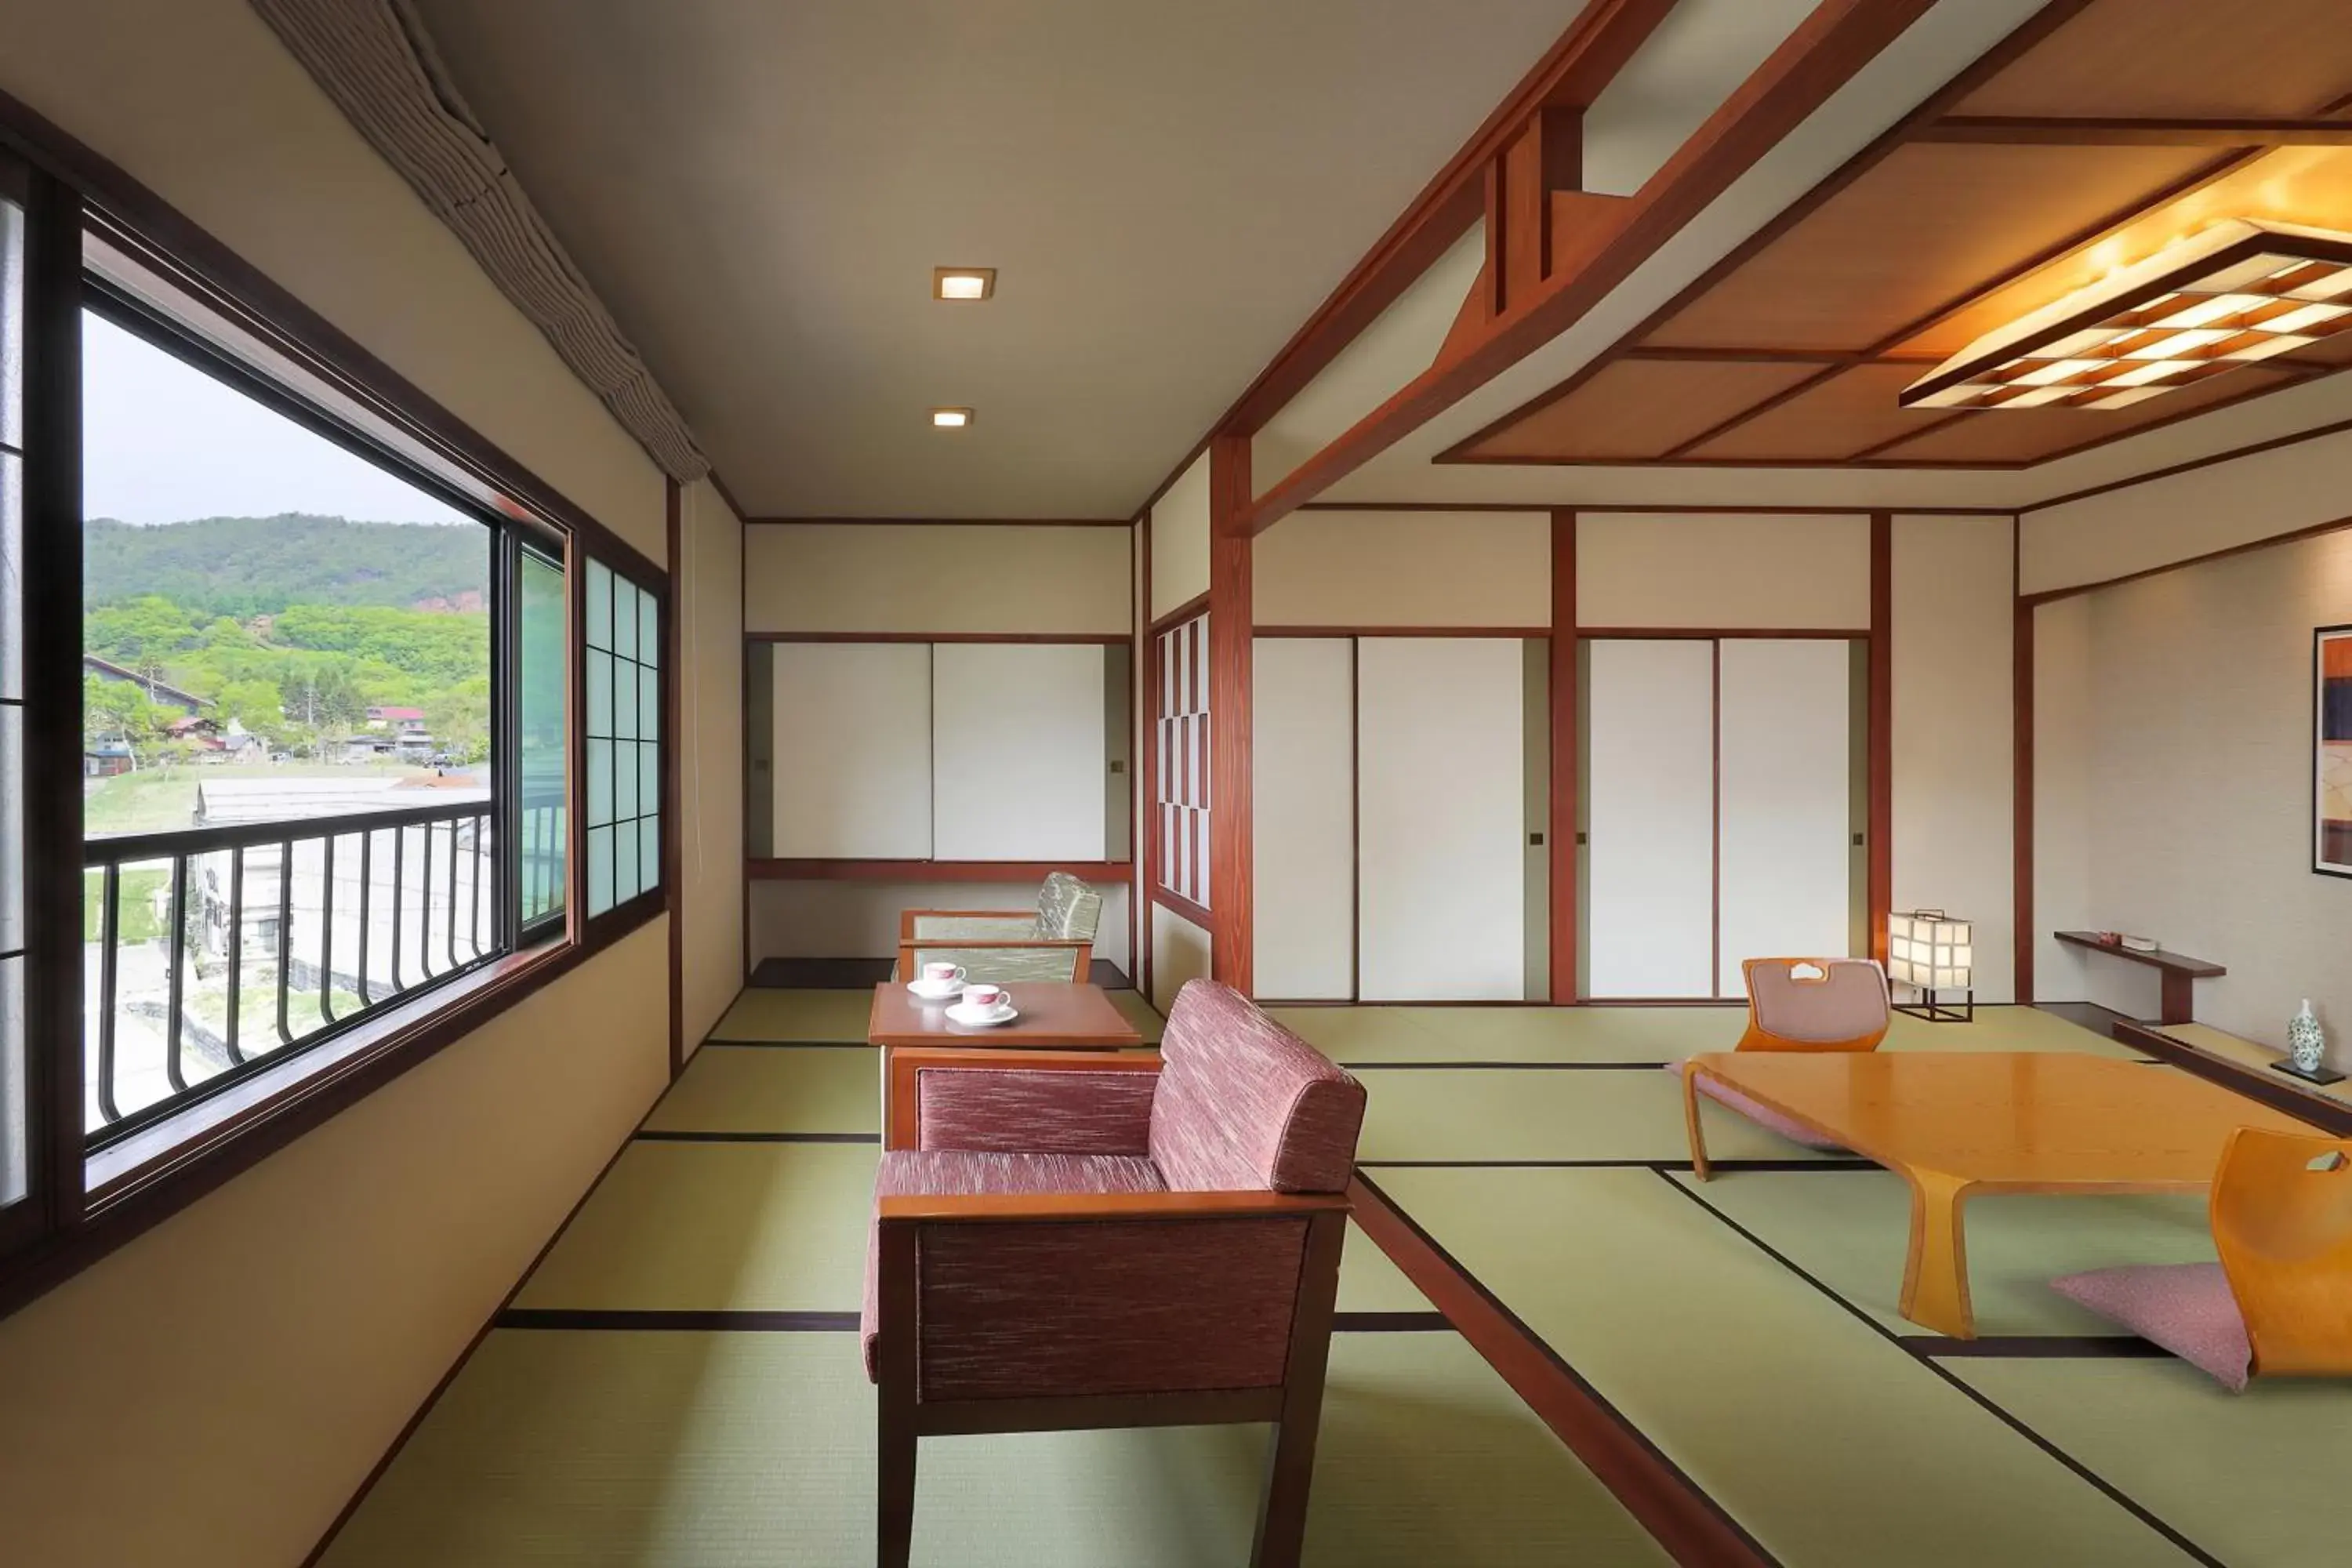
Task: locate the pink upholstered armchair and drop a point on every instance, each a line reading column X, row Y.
column 1075, row 1239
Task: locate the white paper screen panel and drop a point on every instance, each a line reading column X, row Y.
column 852, row 758
column 1440, row 792
column 1018, row 751
column 1303, row 762
column 1650, row 852
column 1785, row 825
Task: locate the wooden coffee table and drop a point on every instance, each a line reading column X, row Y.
column 1955, row 1124
column 1055, row 1015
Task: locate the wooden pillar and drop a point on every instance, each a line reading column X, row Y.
column 1230, row 853
column 2022, row 705
column 1566, row 754
column 1881, row 822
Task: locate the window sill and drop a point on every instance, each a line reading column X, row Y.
column 154, row 1174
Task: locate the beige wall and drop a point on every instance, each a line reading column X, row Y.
column 1180, row 951
column 2198, row 757
column 1725, row 569
column 711, row 763
column 2062, row 800
column 1179, row 540
column 1954, row 786
column 935, row 577
column 212, row 1393
column 1404, row 569
column 2187, row 515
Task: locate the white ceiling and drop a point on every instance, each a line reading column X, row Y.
column 760, row 192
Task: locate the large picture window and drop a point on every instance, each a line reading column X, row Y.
column 343, row 745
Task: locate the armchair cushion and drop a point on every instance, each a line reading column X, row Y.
column 2185, row 1307
column 1246, row 1104
column 1036, row 1111
column 924, row 1172
column 938, row 927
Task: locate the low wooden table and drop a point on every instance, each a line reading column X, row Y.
column 1055, row 1015
column 1955, row 1124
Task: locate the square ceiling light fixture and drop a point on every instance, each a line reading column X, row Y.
column 951, row 418
column 962, row 282
column 2234, row 294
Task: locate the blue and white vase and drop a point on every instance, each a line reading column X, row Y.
column 2306, row 1043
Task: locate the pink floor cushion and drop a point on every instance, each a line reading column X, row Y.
column 2187, row 1308
column 1762, row 1115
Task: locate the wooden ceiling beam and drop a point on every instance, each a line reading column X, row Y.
column 1572, row 73
column 2031, row 131
column 1818, row 58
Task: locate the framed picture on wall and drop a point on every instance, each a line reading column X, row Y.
column 2331, row 749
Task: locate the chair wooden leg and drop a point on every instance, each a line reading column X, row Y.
column 1290, row 1469
column 894, row 1489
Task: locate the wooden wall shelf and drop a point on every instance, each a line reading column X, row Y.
column 2180, row 972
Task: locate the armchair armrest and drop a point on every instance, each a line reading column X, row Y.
column 999, row 1208
column 1021, row 1102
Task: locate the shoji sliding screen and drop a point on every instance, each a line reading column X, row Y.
column 1719, row 809
column 1441, row 786
column 1303, row 767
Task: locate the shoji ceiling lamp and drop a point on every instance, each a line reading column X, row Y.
column 1932, row 952
column 2235, row 294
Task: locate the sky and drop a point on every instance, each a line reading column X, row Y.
column 163, row 442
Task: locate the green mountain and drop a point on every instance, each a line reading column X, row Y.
column 245, row 566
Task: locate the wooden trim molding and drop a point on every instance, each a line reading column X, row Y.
column 1178, row 904
column 1198, row 605
column 1879, row 830
column 2060, row 130
column 673, row 748
column 2295, row 536
column 1566, row 757
column 1109, row 639
column 1145, row 845
column 935, row 522
column 1513, row 634
column 1825, row 51
column 807, row 870
column 1232, row 870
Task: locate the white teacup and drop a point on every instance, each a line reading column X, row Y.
column 941, row 976
column 984, row 998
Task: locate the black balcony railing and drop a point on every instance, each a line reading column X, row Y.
column 213, row 953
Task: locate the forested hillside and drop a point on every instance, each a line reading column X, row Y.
column 292, row 626
column 242, row 566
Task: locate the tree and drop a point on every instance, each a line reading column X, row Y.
column 459, row 719
column 141, row 634
column 256, row 704
column 119, row 711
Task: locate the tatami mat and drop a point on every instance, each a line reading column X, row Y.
column 1511, row 1114
column 731, row 1450
column 2256, row 1478
column 1605, row 1033
column 1850, row 1230
column 770, row 1014
column 717, row 1227
column 732, row 1089
column 1835, row 1447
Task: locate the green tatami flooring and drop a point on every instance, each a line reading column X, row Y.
column 679, row 1384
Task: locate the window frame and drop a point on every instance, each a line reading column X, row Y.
column 64, row 1224
column 627, row 914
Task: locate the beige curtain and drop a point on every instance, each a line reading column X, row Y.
column 375, row 60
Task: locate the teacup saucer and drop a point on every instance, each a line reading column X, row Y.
column 929, row 993
column 971, row 1017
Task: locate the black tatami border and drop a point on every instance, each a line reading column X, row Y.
column 674, row 1135
column 630, row 1319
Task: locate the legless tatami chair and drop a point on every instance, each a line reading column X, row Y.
column 2279, row 1303
column 1805, row 1005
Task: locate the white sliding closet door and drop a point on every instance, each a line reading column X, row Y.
column 1018, row 748
column 1786, row 822
column 1442, row 791
column 852, row 758
column 1304, row 773
column 1650, row 816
